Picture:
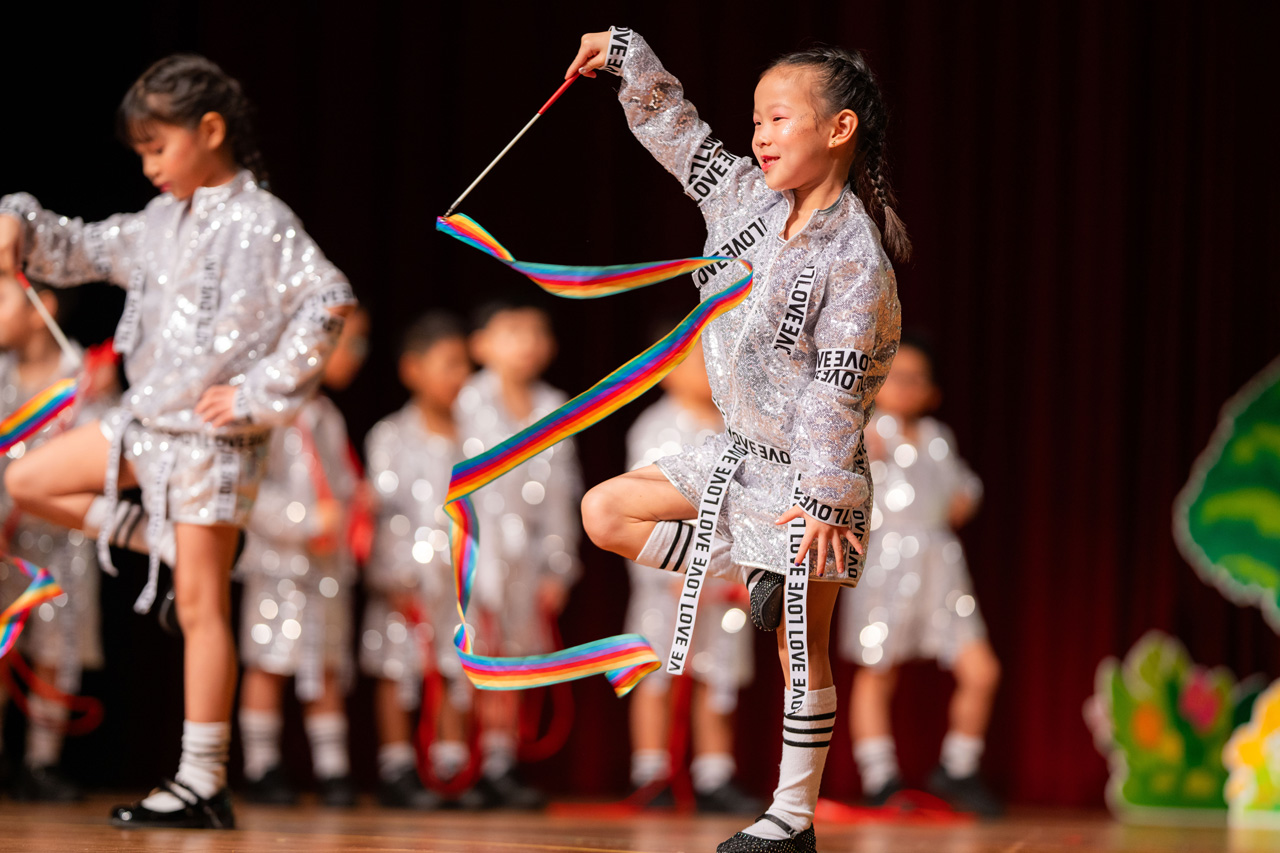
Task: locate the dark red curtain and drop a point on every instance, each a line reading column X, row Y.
column 1090, row 186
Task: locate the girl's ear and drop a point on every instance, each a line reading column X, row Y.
column 844, row 127
column 212, row 130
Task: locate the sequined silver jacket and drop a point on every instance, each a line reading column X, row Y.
column 310, row 451
column 798, row 364
column 223, row 289
column 409, row 468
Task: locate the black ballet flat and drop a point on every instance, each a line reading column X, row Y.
column 212, row 813
column 797, row 842
column 766, row 601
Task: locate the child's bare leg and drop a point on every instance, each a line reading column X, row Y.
column 977, row 673
column 822, row 603
column 451, row 750
column 499, row 732
column 620, row 514
column 874, row 750
column 261, row 691
column 59, row 479
column 712, row 730
column 713, row 767
column 650, row 713
column 202, row 589
column 393, row 720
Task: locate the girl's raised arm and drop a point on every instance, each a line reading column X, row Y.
column 668, row 125
column 62, row 251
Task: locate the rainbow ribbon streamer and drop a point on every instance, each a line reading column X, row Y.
column 627, row 658
column 36, row 412
column 42, row 588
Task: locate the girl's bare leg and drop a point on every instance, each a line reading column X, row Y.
column 59, row 479
column 202, row 589
column 871, row 698
column 261, row 691
column 977, row 673
column 619, row 514
column 822, row 603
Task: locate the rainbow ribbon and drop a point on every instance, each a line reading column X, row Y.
column 42, row 588
column 627, row 658
column 36, row 412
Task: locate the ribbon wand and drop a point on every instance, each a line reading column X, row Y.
column 502, row 153
column 54, row 328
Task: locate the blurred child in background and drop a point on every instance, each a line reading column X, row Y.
column 916, row 599
column 298, row 574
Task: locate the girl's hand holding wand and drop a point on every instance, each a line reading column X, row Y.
column 591, row 55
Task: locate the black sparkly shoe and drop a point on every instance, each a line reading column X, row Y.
column 406, row 791
column 272, row 789
column 766, row 599
column 966, row 794
column 505, row 792
column 797, row 842
column 728, row 799
column 196, row 813
column 338, row 792
column 44, row 785
column 878, row 798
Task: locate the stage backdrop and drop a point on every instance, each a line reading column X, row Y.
column 1090, row 187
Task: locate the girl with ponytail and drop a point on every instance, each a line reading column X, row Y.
column 794, row 369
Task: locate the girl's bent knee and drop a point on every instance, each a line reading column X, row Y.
column 600, row 517
column 20, row 483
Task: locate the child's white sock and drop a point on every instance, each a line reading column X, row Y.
column 44, row 732
column 394, row 759
column 806, row 737
column 498, row 754
column 877, row 760
column 260, row 734
column 711, row 771
column 327, row 734
column 670, row 547
column 649, row 765
column 961, row 754
column 203, row 767
column 448, row 758
column 128, row 528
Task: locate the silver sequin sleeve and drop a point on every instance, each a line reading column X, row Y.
column 856, row 317
column 62, row 251
column 668, row 125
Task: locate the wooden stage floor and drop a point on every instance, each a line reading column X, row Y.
column 83, row 827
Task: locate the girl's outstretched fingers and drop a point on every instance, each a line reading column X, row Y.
column 591, row 55
column 854, row 540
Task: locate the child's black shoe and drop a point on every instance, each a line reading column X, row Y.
column 966, row 794
column 273, row 789
column 799, row 842
column 728, row 799
column 766, row 599
column 197, row 812
column 338, row 792
column 406, row 791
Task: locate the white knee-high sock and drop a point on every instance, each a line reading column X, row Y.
column 712, row 770
column 649, row 765
column 806, row 737
column 327, row 734
column 44, row 732
column 961, row 754
column 128, row 528
column 497, row 754
column 448, row 758
column 260, row 735
column 203, row 767
column 670, row 546
column 394, row 759
column 877, row 760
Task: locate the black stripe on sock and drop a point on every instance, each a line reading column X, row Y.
column 685, row 550
column 799, row 718
column 675, row 540
column 813, row 745
column 821, row 731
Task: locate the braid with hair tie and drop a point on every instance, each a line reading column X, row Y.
column 846, row 83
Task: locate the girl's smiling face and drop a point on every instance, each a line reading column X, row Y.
column 791, row 142
column 179, row 159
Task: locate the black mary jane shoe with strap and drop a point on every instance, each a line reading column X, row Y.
column 766, row 599
column 197, row 812
column 804, row 841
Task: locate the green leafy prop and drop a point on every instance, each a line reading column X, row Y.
column 1226, row 520
column 1163, row 721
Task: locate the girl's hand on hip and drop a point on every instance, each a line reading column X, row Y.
column 826, row 536
column 218, row 405
column 591, row 55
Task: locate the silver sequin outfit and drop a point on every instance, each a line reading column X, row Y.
column 66, row 632
column 224, row 288
column 530, row 518
column 722, row 655
column 798, row 380
column 916, row 599
column 296, row 609
column 408, row 468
